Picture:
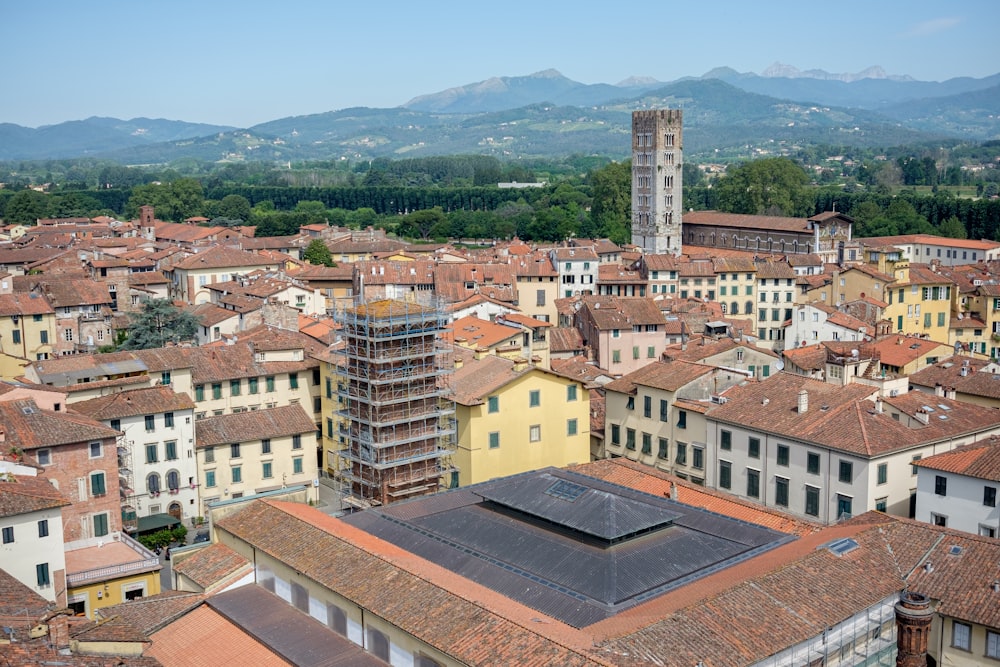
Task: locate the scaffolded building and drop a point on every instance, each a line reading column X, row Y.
column 396, row 421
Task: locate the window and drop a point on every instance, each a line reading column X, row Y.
column 100, row 525
column 883, row 473
column 882, row 505
column 210, row 479
column 253, row 385
column 68, row 335
column 296, row 441
column 812, row 501
column 42, row 574
column 571, row 392
column 812, row 463
column 961, row 636
column 630, row 403
column 336, row 619
column 726, row 440
column 269, row 383
column 635, row 351
column 293, row 380
column 173, row 481
column 237, row 474
column 210, row 455
column 297, row 465
column 8, row 534
column 234, row 450
column 571, row 427
column 150, row 423
column 534, row 398
column 535, row 433
column 650, row 352
column 753, row 448
column 152, row 453
column 44, row 456
column 682, row 453
column 990, row 496
column 171, row 450
column 265, row 446
column 992, row 644
column 43, row 337
column 663, row 451
column 913, row 460
column 493, row 404
column 647, row 443
column 682, row 418
column 630, row 438
column 725, row 475
column 378, row 644
column 43, row 528
column 941, row 485
column 95, row 450
column 844, row 507
column 781, row 492
column 753, row 483
column 97, row 485
column 663, row 410
column 647, row 406
column 697, row 458
column 199, row 392
column 235, row 387
column 783, row 455
column 494, row 439
column 217, row 390
column 616, row 434
column 16, row 336
column 846, row 472
column 168, row 419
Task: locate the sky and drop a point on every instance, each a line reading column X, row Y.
column 243, row 63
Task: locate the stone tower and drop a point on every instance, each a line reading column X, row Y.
column 656, row 180
column 913, row 627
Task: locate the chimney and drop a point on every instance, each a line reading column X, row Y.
column 803, row 401
column 922, row 416
column 938, row 389
column 878, row 404
column 913, row 628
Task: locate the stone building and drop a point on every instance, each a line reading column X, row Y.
column 657, row 155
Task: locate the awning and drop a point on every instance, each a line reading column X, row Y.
column 155, row 522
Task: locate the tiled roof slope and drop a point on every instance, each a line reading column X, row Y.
column 219, row 257
column 843, row 418
column 981, row 461
column 36, row 428
column 948, row 373
column 212, row 565
column 20, row 494
column 458, row 617
column 145, row 401
column 479, row 377
column 151, row 613
column 610, row 312
column 254, row 425
column 668, row 376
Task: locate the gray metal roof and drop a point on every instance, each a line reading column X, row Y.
column 557, row 553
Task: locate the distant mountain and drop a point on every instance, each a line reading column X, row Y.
column 546, row 114
column 780, row 70
column 512, row 92
column 92, row 136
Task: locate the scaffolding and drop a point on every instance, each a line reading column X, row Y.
column 126, row 486
column 397, row 422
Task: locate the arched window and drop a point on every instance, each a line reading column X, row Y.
column 378, row 644
column 153, row 483
column 336, row 619
column 173, row 480
column 734, row 309
column 300, row 597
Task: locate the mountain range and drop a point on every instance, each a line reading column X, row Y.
column 547, row 114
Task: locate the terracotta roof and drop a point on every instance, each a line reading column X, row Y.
column 749, row 222
column 28, row 427
column 980, row 378
column 150, row 613
column 665, row 375
column 496, row 281
column 981, row 460
column 145, row 401
column 472, row 332
column 898, row 350
column 247, row 426
column 534, row 265
column 21, row 494
column 213, row 566
column 661, row 262
column 930, row 239
column 611, row 312
column 219, row 257
column 479, row 377
column 703, row 347
column 209, row 314
column 471, row 624
column 574, row 255
column 565, row 339
column 20, row 303
column 203, row 637
column 615, row 274
column 808, row 358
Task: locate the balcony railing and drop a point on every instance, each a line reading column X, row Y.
column 146, row 560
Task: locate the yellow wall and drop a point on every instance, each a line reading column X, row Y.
column 477, row 462
column 30, row 345
column 932, row 318
column 112, row 591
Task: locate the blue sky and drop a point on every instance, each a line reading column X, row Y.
column 242, row 63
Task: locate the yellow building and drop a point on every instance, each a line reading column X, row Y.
column 27, row 328
column 514, row 417
column 101, row 572
column 920, row 302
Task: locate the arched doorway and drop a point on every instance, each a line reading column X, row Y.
column 174, row 510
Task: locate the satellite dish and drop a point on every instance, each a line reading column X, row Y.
column 779, row 364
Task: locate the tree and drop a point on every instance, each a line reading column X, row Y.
column 158, row 323
column 611, row 207
column 234, row 207
column 26, row 207
column 773, row 186
column 317, row 253
column 953, row 228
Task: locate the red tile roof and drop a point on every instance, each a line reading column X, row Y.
column 981, row 461
column 285, row 420
column 21, row 494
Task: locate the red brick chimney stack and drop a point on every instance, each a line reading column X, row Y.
column 913, row 629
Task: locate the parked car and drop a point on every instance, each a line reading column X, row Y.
column 201, row 536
